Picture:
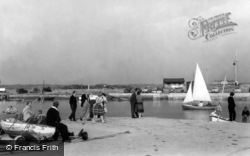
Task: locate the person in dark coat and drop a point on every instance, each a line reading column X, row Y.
column 53, row 119
column 73, row 106
column 231, row 107
column 83, row 99
column 133, row 102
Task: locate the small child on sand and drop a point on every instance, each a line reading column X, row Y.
column 245, row 114
column 218, row 111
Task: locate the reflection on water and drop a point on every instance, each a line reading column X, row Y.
column 155, row 108
column 156, row 103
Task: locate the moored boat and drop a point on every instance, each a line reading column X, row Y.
column 29, row 131
column 197, row 94
column 49, row 98
column 215, row 118
column 194, row 107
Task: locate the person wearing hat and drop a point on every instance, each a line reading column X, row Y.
column 231, row 107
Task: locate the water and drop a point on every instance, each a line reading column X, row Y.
column 161, row 109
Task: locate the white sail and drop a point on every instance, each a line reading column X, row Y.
column 189, row 95
column 200, row 92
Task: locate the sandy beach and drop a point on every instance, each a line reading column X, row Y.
column 155, row 136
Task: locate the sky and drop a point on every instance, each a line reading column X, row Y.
column 118, row 41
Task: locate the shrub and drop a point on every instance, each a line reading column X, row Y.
column 47, row 89
column 21, row 91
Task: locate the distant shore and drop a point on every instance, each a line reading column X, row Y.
column 147, row 96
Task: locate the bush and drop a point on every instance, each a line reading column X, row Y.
column 21, row 91
column 127, row 90
column 35, row 90
column 47, row 89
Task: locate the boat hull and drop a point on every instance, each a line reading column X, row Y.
column 49, row 98
column 192, row 107
column 214, row 118
column 30, row 131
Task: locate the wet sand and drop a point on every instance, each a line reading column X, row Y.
column 156, row 136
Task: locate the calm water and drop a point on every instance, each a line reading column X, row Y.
column 161, row 109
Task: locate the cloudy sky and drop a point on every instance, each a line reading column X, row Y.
column 117, row 41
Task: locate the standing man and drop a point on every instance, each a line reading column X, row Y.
column 73, row 106
column 231, row 107
column 133, row 102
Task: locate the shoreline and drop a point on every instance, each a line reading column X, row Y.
column 146, row 96
column 155, row 136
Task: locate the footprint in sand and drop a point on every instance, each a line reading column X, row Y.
column 188, row 124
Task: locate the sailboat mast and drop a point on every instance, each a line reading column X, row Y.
column 223, row 88
column 43, row 87
column 235, row 69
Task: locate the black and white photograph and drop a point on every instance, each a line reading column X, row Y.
column 124, row 77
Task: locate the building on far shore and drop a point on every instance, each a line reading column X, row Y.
column 3, row 94
column 221, row 82
column 173, row 85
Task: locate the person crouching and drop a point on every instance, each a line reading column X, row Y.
column 53, row 119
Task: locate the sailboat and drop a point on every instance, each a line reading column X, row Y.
column 197, row 94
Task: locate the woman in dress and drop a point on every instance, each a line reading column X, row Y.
column 98, row 108
column 139, row 104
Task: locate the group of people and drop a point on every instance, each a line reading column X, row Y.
column 93, row 106
column 136, row 104
column 52, row 118
column 231, row 110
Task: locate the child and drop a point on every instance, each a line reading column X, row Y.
column 218, row 111
column 245, row 114
column 40, row 117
